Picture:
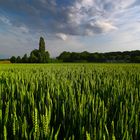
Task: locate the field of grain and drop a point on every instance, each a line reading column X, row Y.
column 70, row 101
column 5, row 62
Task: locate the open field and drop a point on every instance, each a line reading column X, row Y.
column 70, row 101
column 5, row 62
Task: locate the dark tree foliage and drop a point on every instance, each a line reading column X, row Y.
column 25, row 59
column 36, row 56
column 33, row 58
column 42, row 45
column 44, row 57
column 127, row 56
column 13, row 59
column 65, row 56
column 18, row 60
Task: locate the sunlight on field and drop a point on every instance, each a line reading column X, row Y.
column 5, row 62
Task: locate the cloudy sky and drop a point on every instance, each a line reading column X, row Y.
column 69, row 25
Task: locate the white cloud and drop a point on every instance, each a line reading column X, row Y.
column 105, row 26
column 84, row 3
column 94, row 13
column 61, row 36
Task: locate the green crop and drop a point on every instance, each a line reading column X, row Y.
column 70, row 101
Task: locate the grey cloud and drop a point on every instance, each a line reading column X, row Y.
column 75, row 19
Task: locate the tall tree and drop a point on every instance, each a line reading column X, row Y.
column 42, row 45
column 33, row 58
column 18, row 60
column 25, row 59
column 13, row 59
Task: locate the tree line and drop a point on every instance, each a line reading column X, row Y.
column 42, row 56
column 36, row 56
column 126, row 56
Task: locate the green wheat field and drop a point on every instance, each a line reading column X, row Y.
column 70, row 101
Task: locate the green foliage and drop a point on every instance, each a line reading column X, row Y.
column 18, row 60
column 42, row 45
column 25, row 59
column 13, row 59
column 121, row 57
column 43, row 57
column 4, row 133
column 34, row 56
column 70, row 101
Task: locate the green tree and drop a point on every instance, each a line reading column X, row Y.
column 84, row 55
column 65, row 56
column 47, row 56
column 43, row 56
column 33, row 58
column 137, row 59
column 25, row 59
column 13, row 59
column 42, row 45
column 18, row 60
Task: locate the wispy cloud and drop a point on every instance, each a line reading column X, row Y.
column 66, row 18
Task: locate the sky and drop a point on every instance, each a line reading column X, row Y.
column 69, row 25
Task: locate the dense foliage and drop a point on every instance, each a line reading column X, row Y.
column 70, row 101
column 129, row 57
column 36, row 56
